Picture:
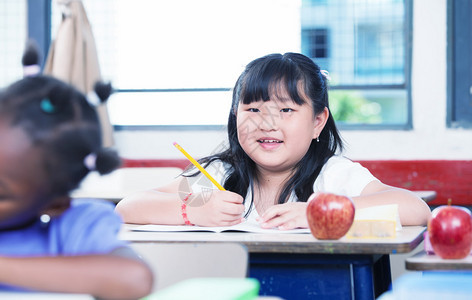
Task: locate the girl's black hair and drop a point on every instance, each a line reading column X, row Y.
column 60, row 123
column 256, row 83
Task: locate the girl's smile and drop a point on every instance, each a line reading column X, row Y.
column 269, row 143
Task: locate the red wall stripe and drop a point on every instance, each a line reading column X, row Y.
column 451, row 179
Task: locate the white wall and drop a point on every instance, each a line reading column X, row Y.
column 429, row 139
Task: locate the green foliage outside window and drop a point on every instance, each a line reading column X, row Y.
column 352, row 107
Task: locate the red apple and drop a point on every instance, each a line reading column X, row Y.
column 329, row 215
column 450, row 231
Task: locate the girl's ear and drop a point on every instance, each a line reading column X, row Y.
column 320, row 122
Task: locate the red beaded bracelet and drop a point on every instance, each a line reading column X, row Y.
column 184, row 210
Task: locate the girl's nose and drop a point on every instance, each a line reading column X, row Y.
column 269, row 121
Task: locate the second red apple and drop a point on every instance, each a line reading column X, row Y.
column 450, row 231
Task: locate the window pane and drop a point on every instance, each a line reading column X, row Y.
column 315, row 43
column 460, row 68
column 170, row 108
column 12, row 40
column 185, row 44
column 386, row 107
column 379, row 55
column 365, row 40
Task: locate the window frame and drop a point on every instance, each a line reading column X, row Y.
column 39, row 24
column 459, row 74
column 39, row 28
column 408, row 37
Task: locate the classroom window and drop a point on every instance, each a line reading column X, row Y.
column 166, row 58
column 367, row 58
column 460, row 64
column 12, row 40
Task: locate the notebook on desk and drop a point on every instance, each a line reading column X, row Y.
column 241, row 227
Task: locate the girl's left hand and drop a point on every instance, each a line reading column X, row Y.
column 285, row 216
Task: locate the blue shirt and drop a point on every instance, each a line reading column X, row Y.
column 88, row 227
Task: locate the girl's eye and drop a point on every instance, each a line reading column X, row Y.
column 286, row 110
column 253, row 109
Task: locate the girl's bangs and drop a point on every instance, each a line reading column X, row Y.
column 276, row 79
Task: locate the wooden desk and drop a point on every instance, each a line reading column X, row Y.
column 297, row 266
column 426, row 262
column 123, row 182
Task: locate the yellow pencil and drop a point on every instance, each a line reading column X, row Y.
column 196, row 164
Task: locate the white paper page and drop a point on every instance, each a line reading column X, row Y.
column 243, row 227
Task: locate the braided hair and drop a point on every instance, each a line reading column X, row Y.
column 60, row 122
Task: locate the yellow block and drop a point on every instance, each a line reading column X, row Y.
column 371, row 229
column 380, row 221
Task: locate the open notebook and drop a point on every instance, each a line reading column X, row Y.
column 242, row 227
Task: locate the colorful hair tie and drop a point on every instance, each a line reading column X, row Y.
column 184, row 210
column 90, row 161
column 47, row 106
column 325, row 74
column 93, row 99
column 31, row 70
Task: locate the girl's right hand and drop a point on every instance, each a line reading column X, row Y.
column 221, row 208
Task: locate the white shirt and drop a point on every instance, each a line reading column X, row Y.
column 339, row 175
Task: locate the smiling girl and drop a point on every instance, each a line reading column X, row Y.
column 283, row 147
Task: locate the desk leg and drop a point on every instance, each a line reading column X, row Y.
column 370, row 278
column 382, row 275
column 362, row 277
